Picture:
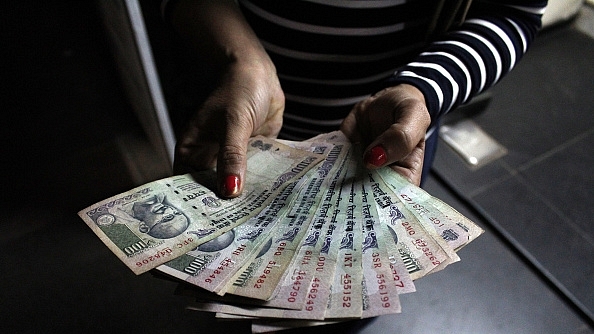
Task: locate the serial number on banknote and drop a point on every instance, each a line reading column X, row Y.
column 165, row 252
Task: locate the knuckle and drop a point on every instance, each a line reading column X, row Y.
column 231, row 155
column 404, row 135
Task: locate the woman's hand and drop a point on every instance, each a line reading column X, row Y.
column 391, row 125
column 247, row 102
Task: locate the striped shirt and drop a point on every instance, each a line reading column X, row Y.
column 330, row 54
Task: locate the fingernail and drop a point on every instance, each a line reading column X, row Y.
column 376, row 156
column 231, row 186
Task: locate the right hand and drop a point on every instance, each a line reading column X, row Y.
column 392, row 125
column 248, row 102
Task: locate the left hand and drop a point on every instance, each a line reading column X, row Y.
column 392, row 125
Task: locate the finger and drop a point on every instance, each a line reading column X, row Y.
column 410, row 122
column 231, row 160
column 350, row 124
column 411, row 167
column 193, row 157
column 394, row 144
column 195, row 149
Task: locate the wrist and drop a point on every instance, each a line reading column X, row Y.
column 409, row 97
column 255, row 60
column 412, row 92
column 218, row 32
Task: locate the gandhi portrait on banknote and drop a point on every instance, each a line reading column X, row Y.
column 159, row 218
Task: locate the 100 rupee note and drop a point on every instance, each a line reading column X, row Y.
column 261, row 278
column 213, row 263
column 346, row 296
column 449, row 234
column 212, row 267
column 419, row 251
column 162, row 220
column 313, row 264
column 380, row 285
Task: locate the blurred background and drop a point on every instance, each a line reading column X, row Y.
column 88, row 90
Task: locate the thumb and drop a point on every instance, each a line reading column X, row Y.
column 231, row 162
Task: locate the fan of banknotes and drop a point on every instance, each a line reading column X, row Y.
column 314, row 235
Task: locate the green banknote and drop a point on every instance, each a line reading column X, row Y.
column 162, row 220
column 314, row 235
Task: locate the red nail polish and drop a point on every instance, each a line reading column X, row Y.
column 376, row 156
column 231, row 185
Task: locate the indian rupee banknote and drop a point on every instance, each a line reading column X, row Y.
column 313, row 262
column 346, row 295
column 162, row 220
column 381, row 286
column 418, row 249
column 314, row 235
column 213, row 263
column 264, row 277
column 451, row 235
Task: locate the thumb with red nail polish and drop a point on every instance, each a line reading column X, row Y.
column 376, row 157
column 231, row 186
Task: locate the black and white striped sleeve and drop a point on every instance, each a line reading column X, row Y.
column 475, row 55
